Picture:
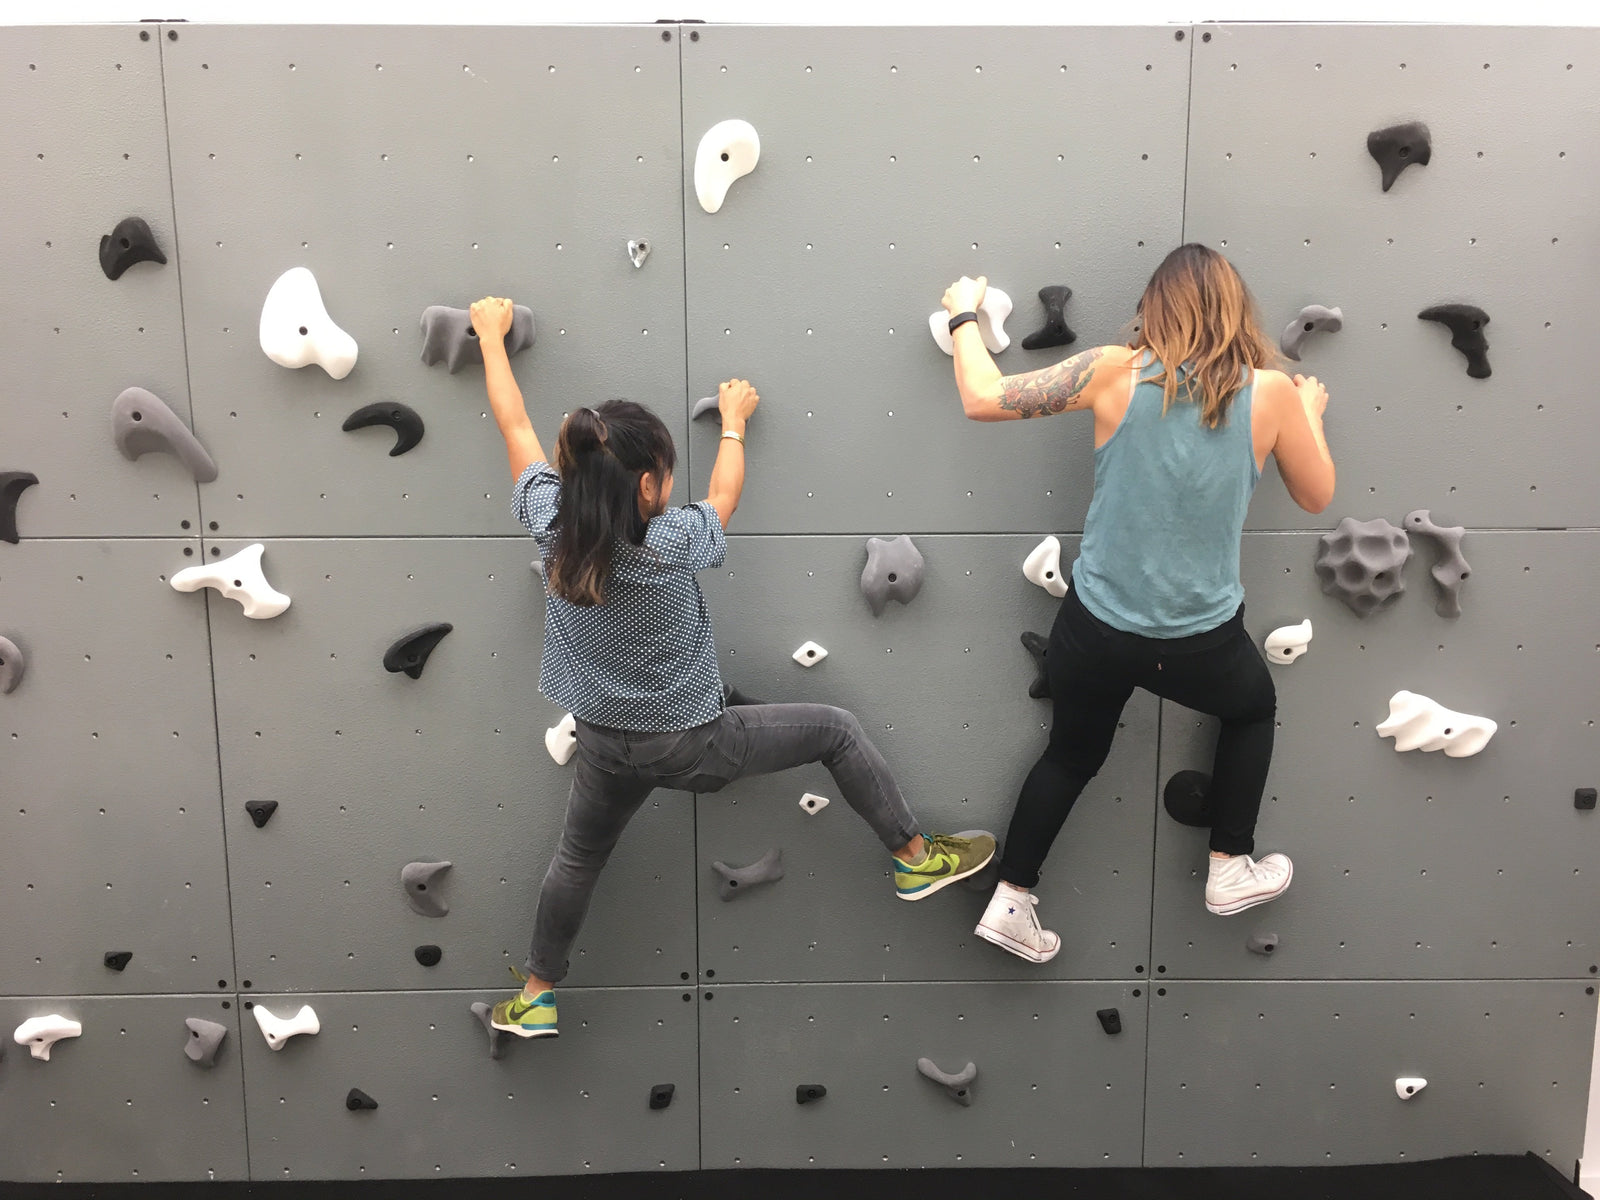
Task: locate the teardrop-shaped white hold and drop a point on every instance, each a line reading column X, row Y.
column 1043, row 566
column 278, row 1030
column 1407, row 1086
column 728, row 151
column 562, row 739
column 812, row 804
column 297, row 331
column 238, row 577
column 40, row 1033
column 992, row 314
column 809, row 655
column 1288, row 643
column 1418, row 723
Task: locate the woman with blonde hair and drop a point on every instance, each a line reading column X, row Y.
column 1185, row 416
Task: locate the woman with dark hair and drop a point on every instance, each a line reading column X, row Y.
column 1185, row 416
column 628, row 651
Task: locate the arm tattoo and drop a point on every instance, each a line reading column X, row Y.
column 1052, row 390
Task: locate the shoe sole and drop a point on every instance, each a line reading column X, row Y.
column 1238, row 906
column 945, row 882
column 520, row 1032
column 995, row 937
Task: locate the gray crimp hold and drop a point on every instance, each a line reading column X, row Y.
column 1055, row 331
column 1313, row 318
column 141, row 423
column 13, row 665
column 205, row 1038
column 1450, row 568
column 448, row 336
column 638, row 251
column 958, row 1086
column 417, row 878
column 402, row 418
column 1465, row 323
column 893, row 572
column 485, row 1014
column 1262, row 943
column 1399, row 146
column 1361, row 562
column 702, row 406
column 734, row 881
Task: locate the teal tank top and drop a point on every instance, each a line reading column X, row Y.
column 1160, row 552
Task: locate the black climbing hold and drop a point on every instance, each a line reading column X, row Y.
column 117, row 959
column 12, row 485
column 1110, row 1020
column 1465, row 323
column 661, row 1095
column 1055, row 331
column 1583, row 798
column 1398, row 147
column 807, row 1092
column 130, row 242
column 410, row 653
column 357, row 1100
column 261, row 811
column 401, row 418
column 428, row 956
column 1187, row 797
column 732, row 697
column 1038, row 646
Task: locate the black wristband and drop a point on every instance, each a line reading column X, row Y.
column 960, row 319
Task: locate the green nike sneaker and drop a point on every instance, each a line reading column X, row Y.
column 949, row 858
column 525, row 1019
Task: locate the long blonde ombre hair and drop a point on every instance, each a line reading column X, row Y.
column 1196, row 313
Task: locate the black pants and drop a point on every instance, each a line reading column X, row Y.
column 1093, row 669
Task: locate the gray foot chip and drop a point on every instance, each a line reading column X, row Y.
column 734, row 881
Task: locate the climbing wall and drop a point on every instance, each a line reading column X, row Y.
column 205, row 816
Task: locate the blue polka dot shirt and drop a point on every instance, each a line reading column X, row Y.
column 644, row 660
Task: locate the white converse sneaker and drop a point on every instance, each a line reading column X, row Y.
column 1240, row 882
column 1010, row 923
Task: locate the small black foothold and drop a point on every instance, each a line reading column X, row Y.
column 1039, row 646
column 401, row 418
column 357, row 1099
column 1465, row 323
column 117, row 959
column 261, row 811
column 1055, row 331
column 1110, row 1020
column 410, row 652
column 1187, row 797
column 428, row 956
column 12, row 485
column 1584, row 798
column 130, row 242
column 661, row 1095
column 807, row 1092
column 1398, row 147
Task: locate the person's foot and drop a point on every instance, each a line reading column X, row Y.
column 1011, row 923
column 1241, row 882
column 946, row 858
column 524, row 1017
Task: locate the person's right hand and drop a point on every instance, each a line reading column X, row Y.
column 491, row 317
column 1312, row 394
column 736, row 400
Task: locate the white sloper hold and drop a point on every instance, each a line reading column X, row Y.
column 809, row 655
column 811, row 803
column 1408, row 1086
column 278, row 1030
column 728, row 151
column 40, row 1033
column 1288, row 643
column 297, row 331
column 238, row 577
column 1418, row 723
column 1043, row 566
column 992, row 314
column 561, row 739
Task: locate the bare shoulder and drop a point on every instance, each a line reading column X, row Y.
column 1274, row 385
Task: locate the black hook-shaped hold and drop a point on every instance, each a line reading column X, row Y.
column 12, row 485
column 13, row 665
column 118, row 959
column 1187, row 798
column 1055, row 331
column 401, row 418
column 1110, row 1020
column 130, row 242
column 1039, row 646
column 261, row 811
column 807, row 1092
column 428, row 956
column 358, row 1100
column 661, row 1095
column 1465, row 323
column 1398, row 147
column 410, row 652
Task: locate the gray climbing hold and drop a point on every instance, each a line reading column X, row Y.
column 1313, row 318
column 1450, row 568
column 118, row 959
column 1399, row 146
column 1055, row 331
column 1465, row 323
column 448, row 336
column 205, row 1038
column 402, row 418
column 12, row 485
column 893, row 572
column 357, row 1100
column 1262, row 943
column 261, row 811
column 13, row 665
column 702, row 406
column 1361, row 562
column 638, row 251
column 1110, row 1020
column 141, row 423
column 130, row 242
column 958, row 1086
column 1039, row 646
column 485, row 1014
column 733, row 881
column 661, row 1095
column 410, row 650
column 805, row 1093
column 417, row 879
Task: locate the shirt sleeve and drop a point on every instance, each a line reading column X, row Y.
column 691, row 537
column 536, row 497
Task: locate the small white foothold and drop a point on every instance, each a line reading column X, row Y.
column 40, row 1033
column 1406, row 1087
column 238, row 577
column 1418, row 723
column 809, row 655
column 562, row 739
column 297, row 331
column 812, row 804
column 992, row 314
column 638, row 251
column 1288, row 643
column 278, row 1030
column 1043, row 566
column 728, row 151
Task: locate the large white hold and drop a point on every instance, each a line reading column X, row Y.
column 1418, row 723
column 40, row 1033
column 561, row 739
column 728, row 151
column 1288, row 643
column 809, row 655
column 278, row 1030
column 297, row 331
column 1408, row 1086
column 238, row 577
column 1043, row 566
column 992, row 314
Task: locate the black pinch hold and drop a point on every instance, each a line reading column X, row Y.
column 1465, row 323
column 410, row 652
column 12, row 485
column 401, row 418
column 805, row 1093
column 130, row 242
column 1110, row 1020
column 261, row 811
column 118, row 959
column 1399, row 146
column 661, row 1095
column 1055, row 331
column 1039, row 646
column 358, row 1100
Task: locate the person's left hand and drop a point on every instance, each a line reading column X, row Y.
column 965, row 295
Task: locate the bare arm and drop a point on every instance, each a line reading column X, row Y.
column 1301, row 447
column 736, row 400
column 491, row 318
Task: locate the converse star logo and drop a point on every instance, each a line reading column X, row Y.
column 1011, row 912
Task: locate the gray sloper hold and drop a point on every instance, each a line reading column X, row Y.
column 1450, row 568
column 485, row 1014
column 702, row 406
column 1262, row 943
column 205, row 1038
column 141, row 423
column 13, row 665
column 401, row 418
column 1361, row 562
column 1313, row 318
column 736, row 880
column 448, row 336
column 1055, row 331
column 417, row 879
column 957, row 1086
column 1399, row 146
column 893, row 572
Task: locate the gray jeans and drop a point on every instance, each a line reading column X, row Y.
column 616, row 770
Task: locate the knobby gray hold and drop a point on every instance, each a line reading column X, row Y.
column 1313, row 318
column 130, row 242
column 402, row 418
column 12, row 485
column 734, row 881
column 417, row 879
column 1399, row 146
column 1450, row 568
column 448, row 336
column 13, row 665
column 893, row 572
column 702, row 406
column 1465, row 323
column 485, row 1014
column 1038, row 645
column 205, row 1038
column 141, row 423
column 958, row 1086
column 1055, row 331
column 410, row 651
column 1262, row 943
column 1362, row 562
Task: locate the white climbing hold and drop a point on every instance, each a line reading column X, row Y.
column 1407, row 1087
column 728, row 151
column 297, row 331
column 40, row 1033
column 1043, row 566
column 992, row 314
column 1288, row 643
column 638, row 251
column 1418, row 723
column 238, row 577
column 562, row 739
column 809, row 655
column 278, row 1030
column 812, row 804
